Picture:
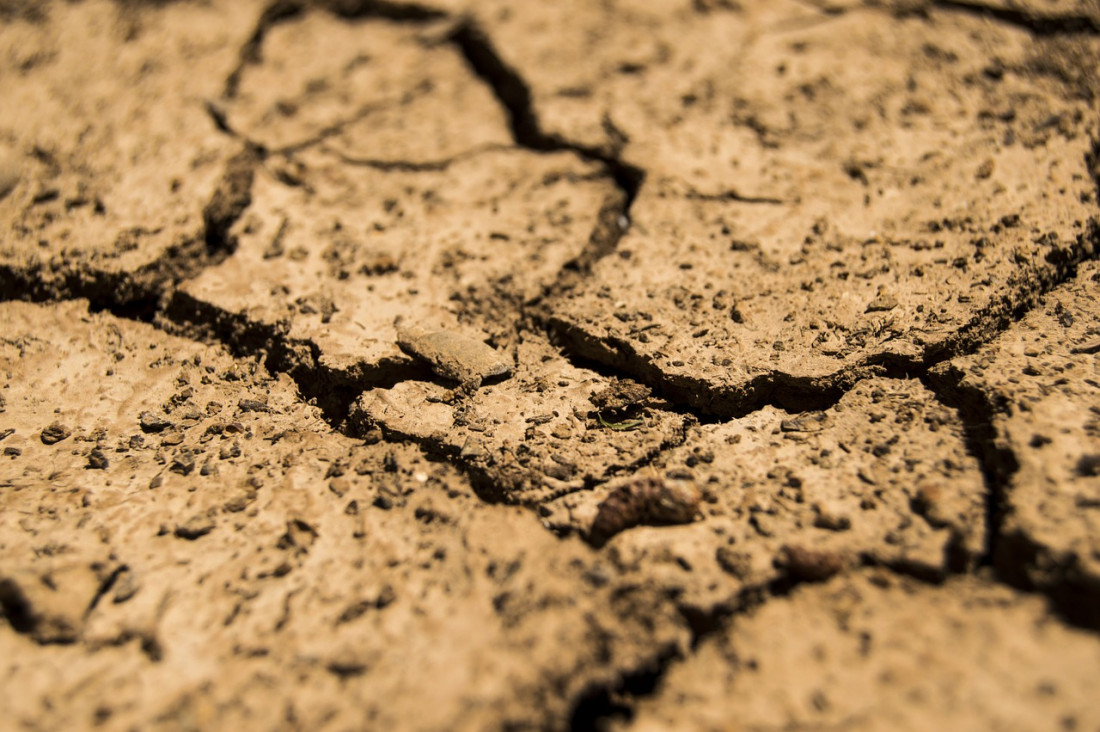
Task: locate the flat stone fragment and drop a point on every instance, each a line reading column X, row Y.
column 874, row 651
column 301, row 572
column 111, row 160
column 884, row 478
column 1038, row 387
column 453, row 355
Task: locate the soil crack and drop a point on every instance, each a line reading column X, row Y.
column 280, row 11
column 514, row 95
column 1038, row 24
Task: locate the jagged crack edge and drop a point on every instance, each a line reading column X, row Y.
column 333, row 391
column 795, row 393
column 1038, row 24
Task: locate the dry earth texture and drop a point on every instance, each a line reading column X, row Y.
column 478, row 365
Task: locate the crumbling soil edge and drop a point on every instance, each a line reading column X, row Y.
column 138, row 295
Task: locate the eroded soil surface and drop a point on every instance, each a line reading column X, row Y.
column 693, row 364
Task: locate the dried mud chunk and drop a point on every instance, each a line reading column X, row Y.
column 55, row 433
column 645, row 501
column 621, row 394
column 454, row 355
column 890, row 652
column 375, row 91
column 509, row 433
column 437, row 225
column 151, row 423
column 846, row 274
column 92, row 212
column 794, row 509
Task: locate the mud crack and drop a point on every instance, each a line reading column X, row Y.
column 280, row 11
column 1074, row 595
column 798, row 393
column 514, row 95
column 136, row 294
column 1038, row 24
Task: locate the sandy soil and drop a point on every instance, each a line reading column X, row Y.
column 447, row 365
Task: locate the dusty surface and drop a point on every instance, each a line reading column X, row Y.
column 484, row 365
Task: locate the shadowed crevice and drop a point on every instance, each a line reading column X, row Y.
column 1013, row 554
column 251, row 52
column 1036, row 23
column 331, row 390
column 280, row 11
column 514, row 95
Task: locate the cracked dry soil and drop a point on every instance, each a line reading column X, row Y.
column 472, row 364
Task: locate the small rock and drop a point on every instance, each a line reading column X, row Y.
column 645, row 500
column 738, row 564
column 373, row 436
column 453, row 355
column 252, row 405
column 810, row 565
column 809, row 422
column 183, row 463
column 195, row 527
column 55, row 433
column 97, row 460
column 4, row 434
column 126, row 586
column 620, row 394
column 339, row 486
column 882, row 303
column 831, row 519
column 152, row 423
column 473, row 449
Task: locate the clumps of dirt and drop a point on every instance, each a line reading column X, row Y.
column 646, row 500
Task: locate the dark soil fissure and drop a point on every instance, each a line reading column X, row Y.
column 1038, row 24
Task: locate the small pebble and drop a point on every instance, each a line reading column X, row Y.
column 195, row 527
column 152, row 423
column 97, row 460
column 55, row 433
column 882, row 303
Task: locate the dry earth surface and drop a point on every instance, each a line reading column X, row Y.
column 473, row 365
